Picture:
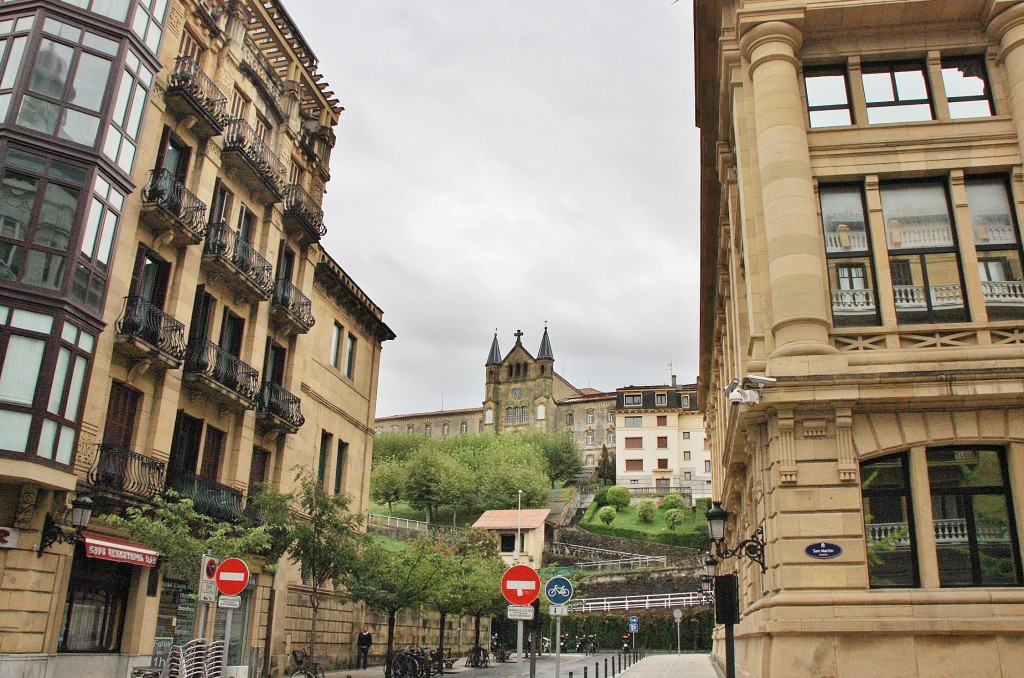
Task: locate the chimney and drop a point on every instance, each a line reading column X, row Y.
column 673, row 381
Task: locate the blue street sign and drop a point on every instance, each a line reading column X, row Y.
column 633, row 628
column 824, row 550
column 634, row 620
column 558, row 590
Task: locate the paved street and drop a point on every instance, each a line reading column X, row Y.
column 653, row 666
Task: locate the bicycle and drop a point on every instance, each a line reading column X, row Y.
column 308, row 667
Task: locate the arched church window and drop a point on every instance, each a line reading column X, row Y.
column 569, row 419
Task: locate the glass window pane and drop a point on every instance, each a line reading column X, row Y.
column 1002, row 283
column 91, row 228
column 86, row 341
column 887, row 524
column 66, row 447
column 121, row 102
column 877, row 87
column 115, row 9
column 113, row 143
column 100, row 44
column 126, row 156
column 842, row 216
column 131, row 125
column 882, row 474
column 853, row 292
column 833, row 118
column 75, row 391
column 47, row 437
column 21, row 369
column 79, row 127
column 50, row 69
column 57, row 216
column 38, row 115
column 969, row 109
column 916, row 216
column 60, row 375
column 991, row 214
column 43, row 269
column 13, row 63
column 14, row 428
column 5, row 105
column 963, row 78
column 33, row 322
column 25, row 160
column 913, row 113
column 826, row 90
column 91, row 78
column 17, row 195
column 106, row 243
column 62, row 30
column 965, row 468
column 69, row 333
column 911, row 85
column 995, row 548
column 952, row 540
column 63, row 170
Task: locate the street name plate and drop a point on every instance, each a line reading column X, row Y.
column 234, row 602
column 524, row 612
column 558, row 610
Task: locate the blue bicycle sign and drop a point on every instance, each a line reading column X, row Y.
column 558, row 590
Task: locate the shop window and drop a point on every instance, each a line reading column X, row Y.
column 126, row 117
column 998, row 245
column 828, row 96
column 889, row 522
column 94, row 611
column 896, row 93
column 634, row 464
column 176, row 614
column 926, row 275
column 966, row 86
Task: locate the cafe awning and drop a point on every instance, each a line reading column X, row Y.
column 119, row 550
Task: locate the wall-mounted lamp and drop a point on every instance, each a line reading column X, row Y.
column 81, row 513
column 751, row 548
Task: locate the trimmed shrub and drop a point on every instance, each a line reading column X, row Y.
column 645, row 510
column 601, row 497
column 672, row 501
column 674, row 518
column 618, row 497
column 694, row 540
column 606, row 514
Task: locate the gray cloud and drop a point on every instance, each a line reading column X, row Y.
column 506, row 163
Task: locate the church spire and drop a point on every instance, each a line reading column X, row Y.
column 494, row 357
column 545, row 352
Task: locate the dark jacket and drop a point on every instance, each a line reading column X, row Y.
column 365, row 639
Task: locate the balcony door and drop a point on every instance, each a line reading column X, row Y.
column 213, row 451
column 273, row 365
column 285, row 263
column 188, row 434
column 174, row 157
column 232, row 331
column 149, row 280
column 202, row 310
column 122, row 408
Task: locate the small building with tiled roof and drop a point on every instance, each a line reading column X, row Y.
column 530, row 525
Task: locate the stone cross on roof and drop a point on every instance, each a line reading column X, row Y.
column 519, row 335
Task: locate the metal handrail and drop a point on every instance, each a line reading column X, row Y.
column 118, row 468
column 240, row 136
column 165, row 190
column 207, row 358
column 300, row 203
column 209, row 497
column 684, row 599
column 188, row 76
column 142, row 319
column 288, row 297
column 282, row 403
column 622, row 563
column 225, row 243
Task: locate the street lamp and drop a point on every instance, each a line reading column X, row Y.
column 751, row 548
column 81, row 513
column 519, row 524
column 710, row 564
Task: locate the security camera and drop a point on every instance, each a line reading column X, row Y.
column 733, row 385
column 736, row 396
column 759, row 381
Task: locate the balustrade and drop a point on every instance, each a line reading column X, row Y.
column 200, row 93
column 300, row 205
column 120, row 469
column 853, row 301
column 947, row 531
column 241, row 138
column 144, row 320
column 210, row 360
column 1003, row 292
column 226, row 245
column 297, row 305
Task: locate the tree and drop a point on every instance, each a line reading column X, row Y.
column 170, row 524
column 387, row 482
column 324, row 544
column 672, row 501
column 674, row 518
column 645, row 510
column 606, row 466
column 482, row 592
column 606, row 515
column 392, row 580
column 560, row 452
column 435, row 479
column 447, row 595
column 398, row 446
column 619, row 497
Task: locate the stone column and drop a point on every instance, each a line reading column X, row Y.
column 796, row 266
column 1007, row 28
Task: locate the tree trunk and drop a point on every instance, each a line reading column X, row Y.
column 476, row 630
column 391, row 630
column 314, row 602
column 440, row 644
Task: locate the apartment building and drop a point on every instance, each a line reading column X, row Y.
column 661, row 447
column 861, row 234
column 168, row 317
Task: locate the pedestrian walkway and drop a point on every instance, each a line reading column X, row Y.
column 652, row 666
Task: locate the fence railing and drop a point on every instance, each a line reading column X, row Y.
column 684, row 599
column 207, row 358
column 141, row 318
column 290, row 298
column 301, row 204
column 188, row 76
column 210, row 497
column 636, row 562
column 118, row 468
column 223, row 242
column 281, row 403
column 240, row 136
column 376, row 519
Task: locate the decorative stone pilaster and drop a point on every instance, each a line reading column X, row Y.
column 796, row 265
column 786, row 447
column 847, row 457
column 1007, row 28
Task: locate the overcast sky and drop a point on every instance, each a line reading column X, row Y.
column 502, row 163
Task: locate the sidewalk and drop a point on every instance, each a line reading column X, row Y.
column 653, row 666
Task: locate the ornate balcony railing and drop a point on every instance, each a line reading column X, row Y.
column 846, row 241
column 1003, row 292
column 853, row 301
column 167, row 193
column 210, row 360
column 947, row 531
column 297, row 305
column 912, row 297
column 189, row 79
column 995, row 230
column 281, row 403
column 143, row 320
column 208, row 496
column 241, row 138
column 262, row 69
column 226, row 245
column 930, row 233
column 118, row 468
column 301, row 206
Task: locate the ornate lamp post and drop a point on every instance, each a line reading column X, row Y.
column 81, row 514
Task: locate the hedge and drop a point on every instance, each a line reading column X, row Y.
column 694, row 540
column 657, row 629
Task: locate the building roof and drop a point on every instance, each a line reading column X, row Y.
column 510, row 519
column 544, row 352
column 436, row 413
column 494, row 357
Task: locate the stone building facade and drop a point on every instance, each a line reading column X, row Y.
column 861, row 214
column 168, row 318
column 523, row 392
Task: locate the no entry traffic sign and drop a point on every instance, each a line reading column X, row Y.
column 232, row 576
column 520, row 585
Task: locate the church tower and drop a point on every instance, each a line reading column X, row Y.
column 518, row 392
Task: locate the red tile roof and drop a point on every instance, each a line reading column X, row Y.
column 509, row 519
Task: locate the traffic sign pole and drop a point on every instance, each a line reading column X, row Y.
column 232, row 576
column 559, row 592
column 519, row 649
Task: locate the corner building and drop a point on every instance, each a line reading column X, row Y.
column 168, row 318
column 862, row 191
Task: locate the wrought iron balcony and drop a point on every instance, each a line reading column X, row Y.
column 122, row 471
column 190, row 92
column 221, row 373
column 292, row 306
column 168, row 206
column 144, row 330
column 246, row 152
column 225, row 247
column 302, row 211
column 208, row 496
column 280, row 408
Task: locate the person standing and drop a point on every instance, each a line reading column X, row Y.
column 363, row 643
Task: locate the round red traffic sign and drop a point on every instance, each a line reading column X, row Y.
column 520, row 585
column 231, row 576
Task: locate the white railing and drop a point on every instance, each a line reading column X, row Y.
column 685, row 599
column 932, row 235
column 912, row 297
column 1003, row 292
column 411, row 525
column 622, row 563
column 947, row 531
column 995, row 234
column 855, row 301
column 845, row 241
column 577, row 549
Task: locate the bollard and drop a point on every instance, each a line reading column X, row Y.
column 606, row 667
column 597, row 670
column 584, row 672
